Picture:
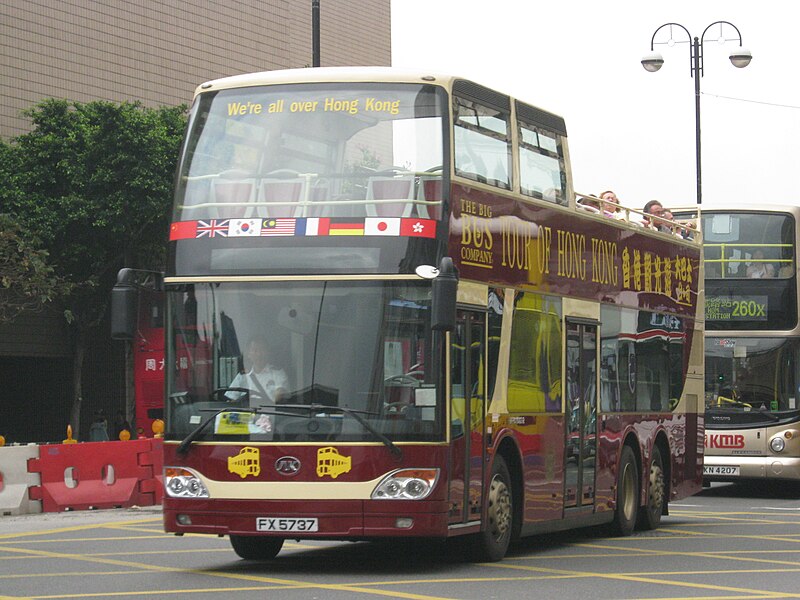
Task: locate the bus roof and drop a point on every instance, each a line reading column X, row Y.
column 348, row 74
column 326, row 74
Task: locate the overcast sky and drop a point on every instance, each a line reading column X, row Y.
column 630, row 130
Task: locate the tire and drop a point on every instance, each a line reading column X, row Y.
column 650, row 516
column 627, row 509
column 491, row 544
column 256, row 547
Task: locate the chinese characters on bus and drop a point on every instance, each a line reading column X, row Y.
column 547, row 251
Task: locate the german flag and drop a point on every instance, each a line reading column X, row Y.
column 346, row 228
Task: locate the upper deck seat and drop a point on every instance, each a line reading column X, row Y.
column 281, row 197
column 400, row 188
column 233, row 197
column 430, row 190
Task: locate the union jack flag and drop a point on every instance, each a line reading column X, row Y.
column 213, row 228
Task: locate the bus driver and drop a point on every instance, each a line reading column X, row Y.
column 266, row 382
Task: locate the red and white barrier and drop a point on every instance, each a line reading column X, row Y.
column 97, row 475
column 15, row 480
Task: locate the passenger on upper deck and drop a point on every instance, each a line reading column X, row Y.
column 760, row 269
column 589, row 204
column 611, row 205
column 656, row 209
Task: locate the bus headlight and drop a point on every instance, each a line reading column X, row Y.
column 777, row 444
column 406, row 484
column 180, row 482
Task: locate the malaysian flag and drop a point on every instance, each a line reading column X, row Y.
column 212, row 228
column 278, row 226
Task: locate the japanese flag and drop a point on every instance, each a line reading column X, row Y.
column 381, row 226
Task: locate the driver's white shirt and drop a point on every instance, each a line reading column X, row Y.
column 271, row 379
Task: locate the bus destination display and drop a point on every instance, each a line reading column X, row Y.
column 736, row 308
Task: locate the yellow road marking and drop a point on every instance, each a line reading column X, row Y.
column 650, row 580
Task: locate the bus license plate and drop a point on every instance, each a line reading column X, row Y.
column 717, row 470
column 286, row 524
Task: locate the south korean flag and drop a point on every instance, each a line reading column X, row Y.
column 244, row 227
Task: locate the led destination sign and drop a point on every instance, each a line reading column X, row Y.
column 736, row 308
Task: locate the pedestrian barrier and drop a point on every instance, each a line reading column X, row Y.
column 15, row 480
column 97, row 475
column 152, row 489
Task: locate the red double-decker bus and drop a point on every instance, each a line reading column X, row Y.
column 388, row 317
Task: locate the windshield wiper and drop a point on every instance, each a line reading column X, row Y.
column 319, row 409
column 315, row 410
column 725, row 404
column 768, row 413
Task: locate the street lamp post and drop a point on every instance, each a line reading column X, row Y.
column 739, row 57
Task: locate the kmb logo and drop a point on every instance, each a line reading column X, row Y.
column 722, row 440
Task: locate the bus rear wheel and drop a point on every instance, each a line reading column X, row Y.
column 256, row 547
column 627, row 494
column 650, row 517
column 491, row 544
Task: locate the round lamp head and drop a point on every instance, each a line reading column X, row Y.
column 740, row 57
column 652, row 62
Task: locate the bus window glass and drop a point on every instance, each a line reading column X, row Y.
column 313, row 150
column 642, row 356
column 748, row 245
column 482, row 143
column 751, row 375
column 534, row 373
column 302, row 329
column 750, row 271
column 541, row 165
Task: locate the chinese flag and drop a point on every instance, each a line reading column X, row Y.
column 183, row 230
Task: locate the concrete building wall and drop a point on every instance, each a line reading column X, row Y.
column 158, row 52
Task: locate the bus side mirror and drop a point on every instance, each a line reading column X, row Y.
column 124, row 309
column 443, row 304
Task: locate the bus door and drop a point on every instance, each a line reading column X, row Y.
column 467, row 398
column 581, row 414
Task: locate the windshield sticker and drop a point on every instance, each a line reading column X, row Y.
column 370, row 226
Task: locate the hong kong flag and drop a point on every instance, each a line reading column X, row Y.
column 418, row 228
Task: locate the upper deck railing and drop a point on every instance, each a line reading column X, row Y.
column 683, row 229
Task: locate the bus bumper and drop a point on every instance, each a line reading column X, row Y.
column 738, row 468
column 352, row 519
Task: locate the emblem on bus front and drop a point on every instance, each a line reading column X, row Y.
column 247, row 462
column 330, row 462
column 287, row 465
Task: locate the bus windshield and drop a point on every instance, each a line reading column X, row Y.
column 356, row 345
column 314, row 150
column 751, row 375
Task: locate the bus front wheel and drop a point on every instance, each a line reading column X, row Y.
column 491, row 544
column 256, row 547
column 627, row 493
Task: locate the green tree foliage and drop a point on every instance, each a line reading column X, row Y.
column 26, row 280
column 94, row 182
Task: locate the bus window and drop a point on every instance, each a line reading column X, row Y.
column 482, row 143
column 534, row 373
column 541, row 165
